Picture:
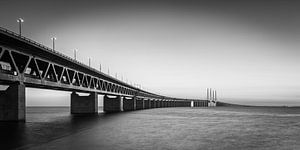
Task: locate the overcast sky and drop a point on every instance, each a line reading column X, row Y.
column 247, row 50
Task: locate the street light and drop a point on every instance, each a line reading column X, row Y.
column 53, row 43
column 89, row 62
column 75, row 53
column 20, row 21
column 100, row 67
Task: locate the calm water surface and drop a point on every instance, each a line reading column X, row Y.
column 161, row 128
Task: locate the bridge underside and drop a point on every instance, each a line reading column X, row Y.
column 12, row 103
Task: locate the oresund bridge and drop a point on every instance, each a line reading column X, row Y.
column 26, row 63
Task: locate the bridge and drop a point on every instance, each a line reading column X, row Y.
column 26, row 63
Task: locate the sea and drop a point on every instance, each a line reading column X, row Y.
column 182, row 128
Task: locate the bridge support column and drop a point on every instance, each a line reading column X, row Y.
column 84, row 104
column 146, row 104
column 149, row 100
column 152, row 103
column 12, row 103
column 139, row 103
column 157, row 103
column 143, row 101
column 128, row 104
column 112, row 104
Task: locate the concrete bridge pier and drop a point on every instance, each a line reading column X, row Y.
column 152, row 105
column 128, row 104
column 173, row 103
column 12, row 103
column 165, row 103
column 161, row 103
column 84, row 104
column 169, row 103
column 156, row 103
column 139, row 104
column 112, row 104
column 146, row 103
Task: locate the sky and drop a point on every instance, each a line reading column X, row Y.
column 246, row 50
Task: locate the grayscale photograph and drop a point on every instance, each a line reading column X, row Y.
column 149, row 75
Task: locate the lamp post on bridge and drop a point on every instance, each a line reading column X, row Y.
column 20, row 21
column 75, row 53
column 53, row 43
column 89, row 62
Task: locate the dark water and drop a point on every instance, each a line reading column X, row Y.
column 160, row 128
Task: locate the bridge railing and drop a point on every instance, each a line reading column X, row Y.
column 43, row 47
column 40, row 45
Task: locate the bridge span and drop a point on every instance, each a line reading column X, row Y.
column 26, row 63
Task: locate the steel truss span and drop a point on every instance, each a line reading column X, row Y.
column 26, row 61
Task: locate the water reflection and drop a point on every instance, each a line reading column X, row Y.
column 161, row 128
